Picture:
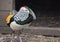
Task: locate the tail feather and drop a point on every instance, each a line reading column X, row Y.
column 33, row 14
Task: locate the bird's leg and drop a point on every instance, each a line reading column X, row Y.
column 16, row 36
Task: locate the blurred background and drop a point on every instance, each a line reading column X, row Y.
column 47, row 12
column 43, row 7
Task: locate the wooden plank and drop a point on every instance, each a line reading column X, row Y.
column 3, row 15
column 6, row 4
column 34, row 30
column 43, row 31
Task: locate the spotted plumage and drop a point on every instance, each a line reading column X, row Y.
column 21, row 19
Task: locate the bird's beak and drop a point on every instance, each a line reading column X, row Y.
column 9, row 17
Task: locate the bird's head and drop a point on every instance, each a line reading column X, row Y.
column 8, row 18
column 24, row 9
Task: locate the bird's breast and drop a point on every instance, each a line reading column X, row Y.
column 15, row 26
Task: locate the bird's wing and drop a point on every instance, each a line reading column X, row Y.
column 21, row 16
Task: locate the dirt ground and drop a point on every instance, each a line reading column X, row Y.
column 39, row 38
column 47, row 21
column 33, row 38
